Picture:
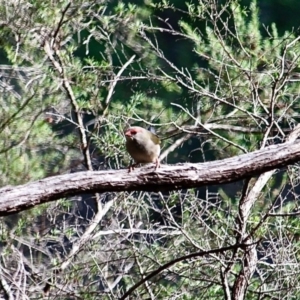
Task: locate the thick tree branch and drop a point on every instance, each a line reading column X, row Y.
column 168, row 177
column 247, row 201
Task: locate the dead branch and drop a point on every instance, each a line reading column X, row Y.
column 169, row 177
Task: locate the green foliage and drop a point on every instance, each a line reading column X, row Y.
column 209, row 73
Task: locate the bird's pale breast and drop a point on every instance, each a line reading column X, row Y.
column 143, row 153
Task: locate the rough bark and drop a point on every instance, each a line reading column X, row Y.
column 168, row 177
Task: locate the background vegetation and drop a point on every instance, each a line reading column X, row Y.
column 215, row 79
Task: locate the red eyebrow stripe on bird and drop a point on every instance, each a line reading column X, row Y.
column 131, row 132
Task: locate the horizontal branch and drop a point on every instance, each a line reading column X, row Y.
column 168, row 177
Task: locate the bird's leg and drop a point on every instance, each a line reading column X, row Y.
column 132, row 166
column 157, row 163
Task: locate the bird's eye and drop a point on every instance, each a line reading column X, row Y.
column 133, row 132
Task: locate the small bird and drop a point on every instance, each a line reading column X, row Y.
column 143, row 146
